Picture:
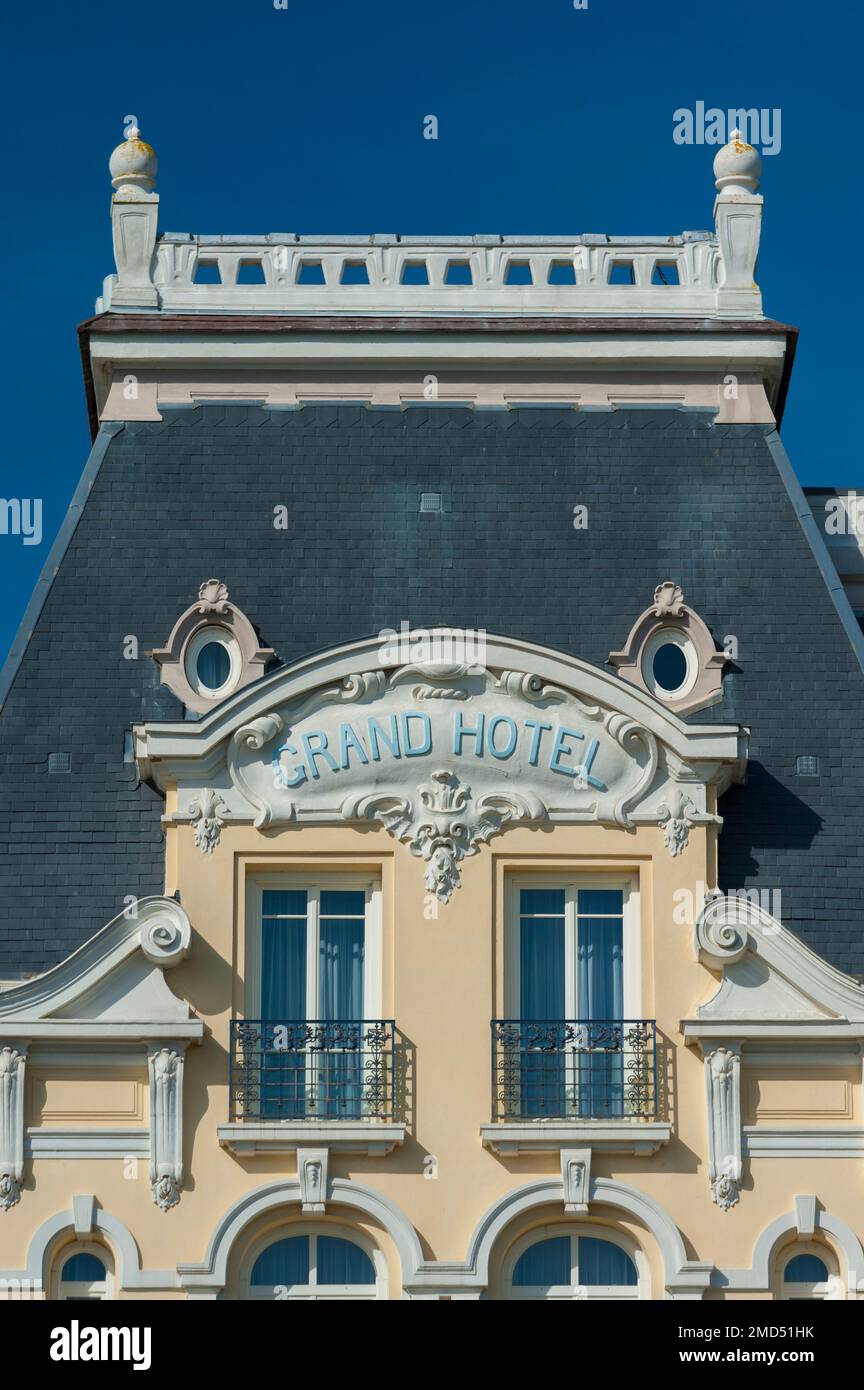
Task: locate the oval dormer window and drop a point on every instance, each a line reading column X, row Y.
column 213, row 663
column 669, row 664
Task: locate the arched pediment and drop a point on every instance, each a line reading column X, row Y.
column 445, row 740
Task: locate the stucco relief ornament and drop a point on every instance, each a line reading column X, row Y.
column 449, row 826
column 205, row 813
column 678, row 824
column 668, row 600
column 723, row 1083
column 166, row 1170
column 213, row 596
column 11, row 1126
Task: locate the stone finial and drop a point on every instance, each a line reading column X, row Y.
column 737, row 166
column 133, row 164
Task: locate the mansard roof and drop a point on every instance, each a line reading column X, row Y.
column 670, row 495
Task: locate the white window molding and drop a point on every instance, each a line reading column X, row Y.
column 576, row 1290
column 670, row 620
column 212, row 619
column 101, row 1290
column 312, row 884
column 315, row 1292
column 572, row 883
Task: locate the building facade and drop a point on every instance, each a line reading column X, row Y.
column 430, row 834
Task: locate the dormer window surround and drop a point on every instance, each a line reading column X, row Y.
column 212, row 652
column 670, row 653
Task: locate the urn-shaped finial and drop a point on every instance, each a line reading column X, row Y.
column 133, row 164
column 737, row 166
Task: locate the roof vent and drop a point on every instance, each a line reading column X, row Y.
column 430, row 501
column 806, row 766
column 59, row 762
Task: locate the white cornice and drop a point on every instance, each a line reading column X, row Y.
column 112, row 988
column 712, row 744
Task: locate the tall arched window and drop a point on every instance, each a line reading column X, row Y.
column 314, row 1267
column 567, row 1265
column 84, row 1274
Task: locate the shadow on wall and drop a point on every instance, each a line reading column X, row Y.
column 762, row 815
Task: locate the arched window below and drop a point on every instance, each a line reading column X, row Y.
column 806, row 1277
column 84, row 1274
column 314, row 1267
column 566, row 1265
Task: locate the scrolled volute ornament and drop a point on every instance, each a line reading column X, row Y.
column 166, row 932
column 721, row 930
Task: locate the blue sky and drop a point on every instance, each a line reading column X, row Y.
column 310, row 119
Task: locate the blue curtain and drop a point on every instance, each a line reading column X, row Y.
column 285, row 1262
column 601, row 1262
column 802, row 1269
column 341, row 958
column 283, row 1000
column 343, row 1262
column 83, row 1269
column 547, row 1262
column 541, row 997
column 601, row 997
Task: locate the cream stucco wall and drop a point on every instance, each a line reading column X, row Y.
column 443, row 980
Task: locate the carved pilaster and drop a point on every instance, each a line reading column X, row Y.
column 312, row 1175
column 723, row 1092
column 165, row 1065
column 11, row 1125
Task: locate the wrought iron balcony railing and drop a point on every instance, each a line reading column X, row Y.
column 308, row 1070
column 590, row 1069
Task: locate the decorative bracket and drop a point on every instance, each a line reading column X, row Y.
column 576, row 1177
column 165, row 1066
column 723, row 1089
column 12, row 1062
column 312, row 1168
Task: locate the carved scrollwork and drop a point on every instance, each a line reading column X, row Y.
column 449, row 825
column 630, row 736
column 165, row 933
column 722, row 929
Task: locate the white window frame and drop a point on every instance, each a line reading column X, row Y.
column 574, row 1291
column 309, row 1293
column 312, row 884
column 223, row 638
column 94, row 1290
column 572, row 882
column 816, row 1291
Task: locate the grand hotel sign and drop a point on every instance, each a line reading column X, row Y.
column 443, row 755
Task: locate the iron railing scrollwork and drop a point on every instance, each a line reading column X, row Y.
column 309, row 1069
column 574, row 1069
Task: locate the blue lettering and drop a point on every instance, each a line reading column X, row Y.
column 514, row 734
column 539, row 730
column 585, row 769
column 348, row 740
column 460, row 732
column 406, row 735
column 298, row 774
column 319, row 752
column 560, row 750
column 390, row 740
